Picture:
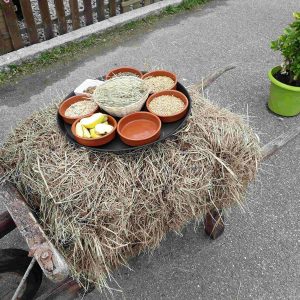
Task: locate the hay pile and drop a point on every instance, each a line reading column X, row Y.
column 100, row 209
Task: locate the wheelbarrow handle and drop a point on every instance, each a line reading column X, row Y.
column 49, row 259
column 273, row 146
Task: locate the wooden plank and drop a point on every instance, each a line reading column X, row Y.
column 49, row 259
column 46, row 19
column 129, row 2
column 112, row 8
column 5, row 44
column 68, row 17
column 137, row 4
column 5, row 41
column 125, row 8
column 60, row 12
column 126, row 5
column 2, row 44
column 279, row 142
column 74, row 14
column 88, row 12
column 100, row 10
column 12, row 24
column 29, row 21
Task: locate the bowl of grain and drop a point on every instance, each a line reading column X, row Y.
column 160, row 80
column 123, row 71
column 77, row 107
column 169, row 106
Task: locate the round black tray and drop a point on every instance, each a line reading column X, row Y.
column 116, row 145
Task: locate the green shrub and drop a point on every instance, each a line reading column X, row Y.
column 289, row 45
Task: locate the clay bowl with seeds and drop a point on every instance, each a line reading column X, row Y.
column 160, row 80
column 123, row 71
column 77, row 107
column 170, row 106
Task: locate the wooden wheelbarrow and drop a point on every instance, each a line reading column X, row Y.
column 43, row 257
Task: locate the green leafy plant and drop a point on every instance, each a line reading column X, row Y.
column 289, row 45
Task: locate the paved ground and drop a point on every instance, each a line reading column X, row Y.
column 258, row 256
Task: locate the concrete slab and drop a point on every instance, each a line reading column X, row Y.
column 258, row 255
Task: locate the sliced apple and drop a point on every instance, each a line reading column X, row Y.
column 79, row 130
column 86, row 133
column 94, row 134
column 93, row 120
column 103, row 128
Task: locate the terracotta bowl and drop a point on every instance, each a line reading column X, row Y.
column 139, row 128
column 116, row 71
column 68, row 102
column 97, row 141
column 171, row 118
column 162, row 73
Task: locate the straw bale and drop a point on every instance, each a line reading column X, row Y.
column 100, row 209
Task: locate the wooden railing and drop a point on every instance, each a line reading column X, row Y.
column 20, row 28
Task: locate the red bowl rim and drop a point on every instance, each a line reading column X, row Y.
column 93, row 139
column 75, row 118
column 140, row 113
column 108, row 75
column 168, row 92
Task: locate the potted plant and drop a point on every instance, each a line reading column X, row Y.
column 285, row 79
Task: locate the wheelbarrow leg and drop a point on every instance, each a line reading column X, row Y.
column 6, row 224
column 214, row 223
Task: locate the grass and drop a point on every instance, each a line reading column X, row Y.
column 76, row 49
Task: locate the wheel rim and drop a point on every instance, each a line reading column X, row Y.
column 9, row 282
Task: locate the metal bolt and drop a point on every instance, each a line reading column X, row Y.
column 45, row 255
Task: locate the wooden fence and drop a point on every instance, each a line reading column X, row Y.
column 20, row 28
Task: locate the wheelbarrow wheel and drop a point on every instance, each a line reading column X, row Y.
column 13, row 265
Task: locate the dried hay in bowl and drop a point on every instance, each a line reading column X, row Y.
column 121, row 95
column 99, row 209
